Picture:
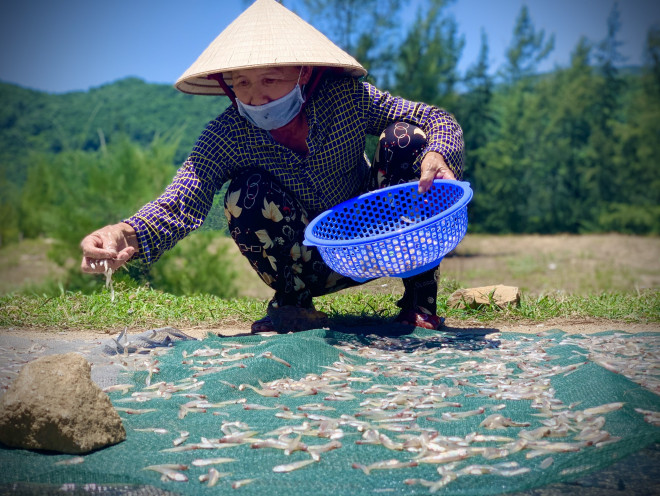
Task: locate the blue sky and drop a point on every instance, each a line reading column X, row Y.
column 67, row 45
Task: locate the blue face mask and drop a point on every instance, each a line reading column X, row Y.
column 275, row 114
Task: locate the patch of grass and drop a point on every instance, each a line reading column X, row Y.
column 139, row 308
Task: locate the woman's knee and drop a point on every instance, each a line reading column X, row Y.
column 245, row 190
column 399, row 147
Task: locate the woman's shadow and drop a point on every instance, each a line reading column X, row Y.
column 387, row 335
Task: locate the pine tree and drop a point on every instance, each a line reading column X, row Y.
column 426, row 64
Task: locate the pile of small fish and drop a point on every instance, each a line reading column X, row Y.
column 404, row 395
column 636, row 357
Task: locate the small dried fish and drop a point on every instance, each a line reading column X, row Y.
column 461, row 415
column 171, row 471
column 123, row 388
column 384, row 465
column 240, row 483
column 514, row 472
column 108, row 277
column 650, row 416
column 271, row 393
column 598, row 410
column 550, row 447
column 445, row 457
column 212, row 477
column 268, row 354
column 314, row 407
column 183, row 435
column 316, row 450
column 290, row 467
column 203, row 462
column 498, row 421
column 255, row 406
column 157, row 430
column 134, row 411
column 71, row 461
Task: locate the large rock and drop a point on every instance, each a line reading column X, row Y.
column 501, row 296
column 54, row 405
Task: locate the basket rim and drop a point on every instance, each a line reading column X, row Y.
column 312, row 240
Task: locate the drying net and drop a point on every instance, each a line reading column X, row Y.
column 413, row 414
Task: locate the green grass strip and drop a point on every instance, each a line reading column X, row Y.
column 142, row 307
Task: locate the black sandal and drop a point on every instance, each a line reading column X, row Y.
column 290, row 318
column 262, row 325
column 418, row 319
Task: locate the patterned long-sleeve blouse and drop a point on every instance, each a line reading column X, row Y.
column 341, row 114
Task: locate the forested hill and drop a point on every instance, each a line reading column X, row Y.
column 33, row 121
column 575, row 150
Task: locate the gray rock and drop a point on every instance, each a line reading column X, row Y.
column 54, row 405
column 499, row 295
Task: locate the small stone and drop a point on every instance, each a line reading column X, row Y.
column 499, row 295
column 54, row 405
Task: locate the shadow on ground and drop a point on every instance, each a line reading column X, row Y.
column 637, row 474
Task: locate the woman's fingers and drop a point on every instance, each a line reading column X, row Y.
column 100, row 265
column 433, row 167
column 107, row 247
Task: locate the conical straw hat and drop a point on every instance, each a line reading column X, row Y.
column 266, row 34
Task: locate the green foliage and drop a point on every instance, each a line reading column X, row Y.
column 365, row 28
column 68, row 195
column 32, row 121
column 72, row 193
column 559, row 156
column 527, row 49
column 9, row 230
column 575, row 150
column 427, row 59
column 216, row 220
column 196, row 265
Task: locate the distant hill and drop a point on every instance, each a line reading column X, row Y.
column 36, row 121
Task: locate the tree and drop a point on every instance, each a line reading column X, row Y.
column 426, row 64
column 527, row 49
column 651, row 77
column 635, row 205
column 609, row 113
column 361, row 27
column 571, row 96
column 474, row 112
column 474, row 109
column 510, row 200
column 8, row 211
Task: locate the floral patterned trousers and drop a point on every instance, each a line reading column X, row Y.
column 268, row 224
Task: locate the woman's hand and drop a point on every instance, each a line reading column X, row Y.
column 116, row 244
column 433, row 167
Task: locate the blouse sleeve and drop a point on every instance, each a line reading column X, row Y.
column 186, row 202
column 443, row 133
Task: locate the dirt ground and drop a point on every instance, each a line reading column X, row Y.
column 537, row 264
column 569, row 326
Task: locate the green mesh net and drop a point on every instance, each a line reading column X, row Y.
column 411, row 414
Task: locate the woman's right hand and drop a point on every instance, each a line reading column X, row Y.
column 116, row 243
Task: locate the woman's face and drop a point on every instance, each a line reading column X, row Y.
column 263, row 85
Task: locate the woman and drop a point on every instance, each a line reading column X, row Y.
column 292, row 144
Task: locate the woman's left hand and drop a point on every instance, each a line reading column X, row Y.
column 433, row 167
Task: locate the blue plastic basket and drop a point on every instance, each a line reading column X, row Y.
column 392, row 232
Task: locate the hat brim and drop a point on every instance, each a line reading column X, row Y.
column 265, row 35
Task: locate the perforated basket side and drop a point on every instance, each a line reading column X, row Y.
column 400, row 256
column 382, row 213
